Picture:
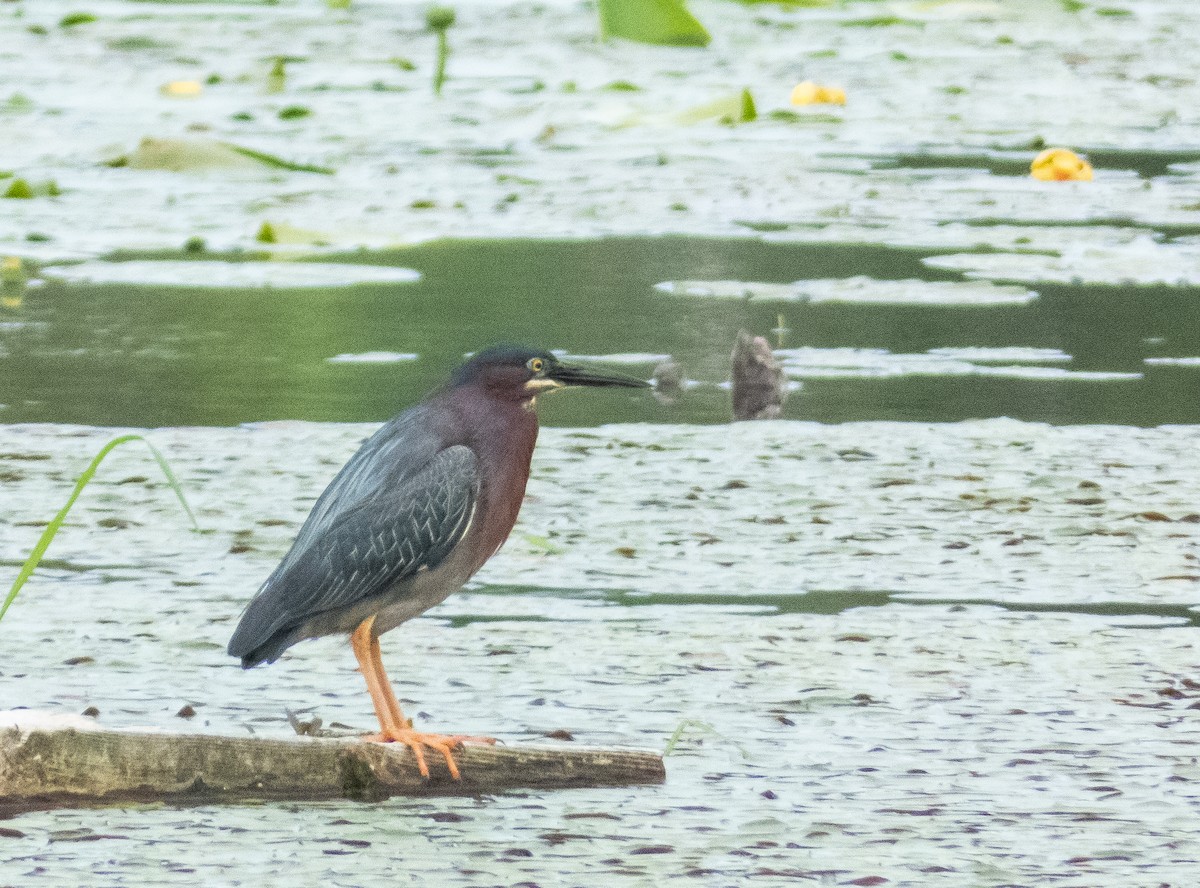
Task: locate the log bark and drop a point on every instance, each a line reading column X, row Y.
column 68, row 767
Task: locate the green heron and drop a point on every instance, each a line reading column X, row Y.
column 422, row 505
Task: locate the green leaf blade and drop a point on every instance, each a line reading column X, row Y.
column 47, row 537
column 662, row 22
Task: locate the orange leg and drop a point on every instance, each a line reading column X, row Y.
column 393, row 726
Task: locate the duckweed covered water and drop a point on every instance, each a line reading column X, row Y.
column 890, row 647
column 925, row 653
column 897, row 344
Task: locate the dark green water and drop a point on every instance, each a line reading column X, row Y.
column 156, row 356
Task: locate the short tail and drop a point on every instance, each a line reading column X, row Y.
column 266, row 652
column 256, row 641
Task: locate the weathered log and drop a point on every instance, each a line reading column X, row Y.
column 50, row 767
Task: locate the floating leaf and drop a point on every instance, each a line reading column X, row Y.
column 282, row 233
column 792, row 4
column 22, row 189
column 882, row 21
column 664, row 22
column 17, row 103
column 182, row 155
column 19, row 189
column 72, row 19
column 277, row 76
column 737, row 108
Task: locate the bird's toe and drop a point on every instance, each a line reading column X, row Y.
column 418, row 742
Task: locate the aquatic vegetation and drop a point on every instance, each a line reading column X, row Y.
column 684, row 726
column 664, row 22
column 858, row 289
column 23, row 189
column 283, row 233
column 17, row 103
column 277, row 76
column 732, row 109
column 272, row 160
column 71, row 19
column 440, row 19
column 18, row 189
column 185, row 155
column 211, row 274
column 882, row 21
column 56, row 522
column 294, row 112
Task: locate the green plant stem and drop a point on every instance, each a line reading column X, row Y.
column 439, row 71
column 43, row 543
column 705, row 727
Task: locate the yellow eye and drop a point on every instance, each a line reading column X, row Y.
column 536, row 365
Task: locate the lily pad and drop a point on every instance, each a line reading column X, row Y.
column 218, row 275
column 880, row 363
column 375, row 357
column 665, row 22
column 858, row 289
column 185, row 155
column 1143, row 262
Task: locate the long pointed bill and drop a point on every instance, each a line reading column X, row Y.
column 566, row 375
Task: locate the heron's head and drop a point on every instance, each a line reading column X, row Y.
column 521, row 374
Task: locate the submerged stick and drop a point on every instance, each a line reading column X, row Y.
column 757, row 381
column 49, row 767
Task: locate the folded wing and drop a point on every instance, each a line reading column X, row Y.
column 349, row 554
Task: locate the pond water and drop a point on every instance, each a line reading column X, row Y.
column 902, row 340
column 926, row 653
column 935, row 627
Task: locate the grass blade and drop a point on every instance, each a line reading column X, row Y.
column 703, row 727
column 56, row 522
column 272, row 161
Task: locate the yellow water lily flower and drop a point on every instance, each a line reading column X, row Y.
column 809, row 93
column 1060, row 165
column 182, row 89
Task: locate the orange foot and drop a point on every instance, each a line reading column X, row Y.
column 416, row 741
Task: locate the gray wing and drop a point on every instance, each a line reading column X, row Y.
column 346, row 556
column 401, row 447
